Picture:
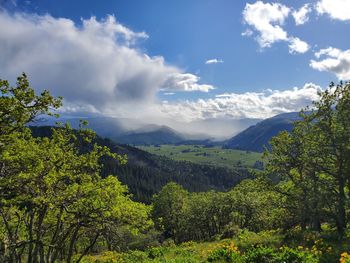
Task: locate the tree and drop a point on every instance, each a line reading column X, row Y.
column 169, row 211
column 315, row 159
column 20, row 105
column 332, row 119
column 256, row 206
column 53, row 203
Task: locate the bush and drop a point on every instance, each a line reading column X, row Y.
column 227, row 251
column 247, row 239
column 135, row 257
column 105, row 257
column 291, row 255
column 155, row 252
column 260, row 254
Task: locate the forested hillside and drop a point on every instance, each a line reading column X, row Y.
column 145, row 174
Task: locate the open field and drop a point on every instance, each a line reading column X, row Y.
column 207, row 155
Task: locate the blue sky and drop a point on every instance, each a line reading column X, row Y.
column 250, row 40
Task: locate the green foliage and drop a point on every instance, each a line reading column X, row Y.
column 168, row 210
column 20, row 105
column 257, row 206
column 260, row 254
column 313, row 163
column 229, row 252
column 267, row 238
column 202, row 216
column 155, row 252
column 135, row 256
column 53, row 202
column 105, row 257
column 226, row 252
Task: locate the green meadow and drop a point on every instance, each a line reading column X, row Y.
column 207, row 155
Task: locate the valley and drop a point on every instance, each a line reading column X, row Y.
column 161, row 131
column 200, row 154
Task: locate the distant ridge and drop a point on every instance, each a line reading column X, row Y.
column 256, row 137
column 151, row 135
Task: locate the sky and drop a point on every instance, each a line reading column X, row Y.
column 177, row 61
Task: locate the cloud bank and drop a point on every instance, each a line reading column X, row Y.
column 96, row 63
column 247, row 105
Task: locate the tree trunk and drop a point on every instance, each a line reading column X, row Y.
column 72, row 243
column 88, row 248
column 341, row 222
column 30, row 231
column 38, row 236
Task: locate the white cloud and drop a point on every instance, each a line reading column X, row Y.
column 96, row 63
column 267, row 19
column 247, row 33
column 213, row 61
column 185, row 82
column 247, row 105
column 336, row 9
column 334, row 60
column 297, row 46
column 301, row 16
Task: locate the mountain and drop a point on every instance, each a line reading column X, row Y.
column 141, row 132
column 103, row 126
column 218, row 128
column 129, row 131
column 150, row 135
column 145, row 173
column 257, row 136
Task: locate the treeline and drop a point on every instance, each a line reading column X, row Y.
column 145, row 174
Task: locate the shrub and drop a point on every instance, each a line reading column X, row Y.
column 260, row 254
column 155, row 252
column 291, row 255
column 135, row 257
column 227, row 251
column 105, row 257
column 247, row 239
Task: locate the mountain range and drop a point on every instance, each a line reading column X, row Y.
column 254, row 134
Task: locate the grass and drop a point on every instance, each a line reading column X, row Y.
column 206, row 155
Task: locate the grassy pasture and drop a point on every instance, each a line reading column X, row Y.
column 206, row 155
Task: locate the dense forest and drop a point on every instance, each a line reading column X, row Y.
column 145, row 174
column 63, row 193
